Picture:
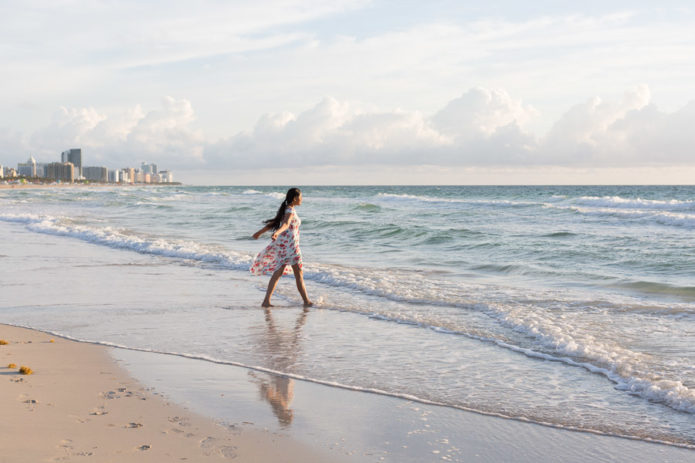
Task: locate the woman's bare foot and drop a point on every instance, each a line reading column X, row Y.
column 308, row 303
column 267, row 304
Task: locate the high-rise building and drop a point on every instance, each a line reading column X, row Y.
column 41, row 169
column 73, row 156
column 166, row 176
column 149, row 168
column 128, row 175
column 96, row 174
column 114, row 176
column 27, row 169
column 9, row 172
column 2, row 174
column 63, row 171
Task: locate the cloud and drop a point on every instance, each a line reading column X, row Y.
column 587, row 130
column 631, row 132
column 163, row 135
column 481, row 128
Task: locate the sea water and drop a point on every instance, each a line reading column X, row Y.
column 568, row 306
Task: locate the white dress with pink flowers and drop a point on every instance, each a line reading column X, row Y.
column 284, row 250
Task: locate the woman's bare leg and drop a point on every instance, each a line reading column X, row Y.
column 271, row 285
column 299, row 277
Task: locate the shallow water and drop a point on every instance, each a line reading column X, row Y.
column 570, row 306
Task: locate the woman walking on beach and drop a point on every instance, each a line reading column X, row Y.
column 283, row 251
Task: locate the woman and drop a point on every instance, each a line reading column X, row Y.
column 283, row 251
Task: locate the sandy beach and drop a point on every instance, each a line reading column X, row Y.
column 79, row 405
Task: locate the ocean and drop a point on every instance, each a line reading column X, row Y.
column 569, row 306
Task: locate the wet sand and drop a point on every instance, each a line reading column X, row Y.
column 79, row 405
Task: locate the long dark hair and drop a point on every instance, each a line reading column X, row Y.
column 276, row 221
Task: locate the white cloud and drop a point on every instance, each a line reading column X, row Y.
column 481, row 111
column 482, row 128
column 163, row 135
column 632, row 132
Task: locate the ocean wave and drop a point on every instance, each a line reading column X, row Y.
column 479, row 202
column 125, row 239
column 670, row 219
column 563, row 234
column 553, row 341
column 657, row 288
column 628, row 369
column 635, row 203
column 367, row 207
column 271, row 194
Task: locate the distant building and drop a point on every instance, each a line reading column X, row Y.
column 63, row 171
column 149, row 168
column 96, row 174
column 114, row 176
column 9, row 172
column 166, row 176
column 27, row 169
column 128, row 175
column 73, row 156
column 41, row 169
column 2, row 174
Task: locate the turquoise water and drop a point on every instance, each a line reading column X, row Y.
column 569, row 306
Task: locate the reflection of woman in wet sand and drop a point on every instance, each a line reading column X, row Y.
column 282, row 349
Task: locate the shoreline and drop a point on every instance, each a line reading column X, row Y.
column 80, row 403
column 125, row 400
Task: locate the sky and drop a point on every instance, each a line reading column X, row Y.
column 355, row 91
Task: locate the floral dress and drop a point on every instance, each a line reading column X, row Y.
column 283, row 251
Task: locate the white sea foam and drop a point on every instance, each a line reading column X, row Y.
column 636, row 203
column 479, row 202
column 122, row 239
column 672, row 219
column 569, row 343
column 271, row 194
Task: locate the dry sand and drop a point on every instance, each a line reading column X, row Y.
column 79, row 405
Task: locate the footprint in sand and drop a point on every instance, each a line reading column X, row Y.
column 144, row 447
column 229, row 451
column 210, row 447
column 180, row 421
column 66, row 443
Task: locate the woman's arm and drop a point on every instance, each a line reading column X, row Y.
column 283, row 227
column 261, row 231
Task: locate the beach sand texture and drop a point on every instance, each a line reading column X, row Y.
column 78, row 405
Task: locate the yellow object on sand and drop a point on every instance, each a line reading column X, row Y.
column 25, row 370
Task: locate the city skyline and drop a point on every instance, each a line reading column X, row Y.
column 358, row 91
column 70, row 168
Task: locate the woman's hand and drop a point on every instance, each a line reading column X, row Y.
column 257, row 235
column 274, row 236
